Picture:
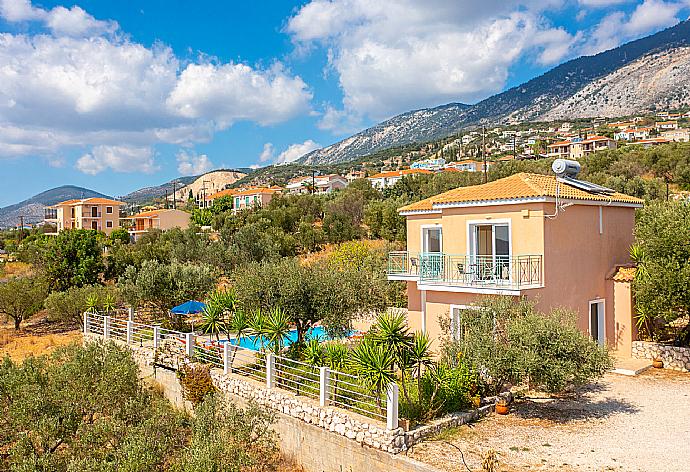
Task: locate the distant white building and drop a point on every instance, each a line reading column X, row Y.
column 321, row 184
column 429, row 164
column 632, row 134
column 388, row 179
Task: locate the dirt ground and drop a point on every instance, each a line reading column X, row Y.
column 36, row 336
column 621, row 423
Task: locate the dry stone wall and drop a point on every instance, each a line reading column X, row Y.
column 675, row 358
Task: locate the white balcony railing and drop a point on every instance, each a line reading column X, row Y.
column 462, row 270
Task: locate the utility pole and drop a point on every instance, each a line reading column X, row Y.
column 486, row 177
column 313, row 181
column 166, row 200
column 174, row 195
column 514, row 149
column 21, row 228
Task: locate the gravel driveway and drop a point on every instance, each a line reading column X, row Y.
column 621, row 423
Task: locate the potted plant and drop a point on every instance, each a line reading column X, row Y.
column 502, row 406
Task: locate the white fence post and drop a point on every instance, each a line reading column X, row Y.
column 106, row 327
column 156, row 337
column 324, row 380
column 270, row 370
column 227, row 348
column 130, row 331
column 130, row 313
column 86, row 323
column 392, row 406
column 189, row 344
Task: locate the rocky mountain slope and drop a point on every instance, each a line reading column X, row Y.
column 32, row 208
column 209, row 183
column 414, row 126
column 639, row 76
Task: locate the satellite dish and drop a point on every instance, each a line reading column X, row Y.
column 565, row 168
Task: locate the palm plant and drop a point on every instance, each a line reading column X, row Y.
column 277, row 327
column 258, row 325
column 391, row 332
column 92, row 303
column 420, row 357
column 336, row 355
column 239, row 324
column 212, row 320
column 108, row 303
column 314, row 353
column 374, row 365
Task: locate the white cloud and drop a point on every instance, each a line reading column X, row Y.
column 295, row 151
column 619, row 27
column 118, row 159
column 339, row 121
column 602, row 3
column 83, row 87
column 267, row 153
column 403, row 54
column 190, row 163
column 59, row 20
column 231, row 92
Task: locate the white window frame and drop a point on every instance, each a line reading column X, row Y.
column 422, row 240
column 453, row 333
column 108, row 224
column 490, row 221
column 109, row 210
column 602, row 319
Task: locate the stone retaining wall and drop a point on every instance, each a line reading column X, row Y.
column 363, row 430
column 675, row 358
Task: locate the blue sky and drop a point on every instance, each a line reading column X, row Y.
column 118, row 95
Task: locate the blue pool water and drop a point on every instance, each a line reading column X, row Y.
column 254, row 342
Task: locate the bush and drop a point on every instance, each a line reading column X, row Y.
column 70, row 305
column 196, row 382
column 511, row 343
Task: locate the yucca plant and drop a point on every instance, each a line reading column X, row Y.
column 374, row 366
column 420, row 357
column 212, row 321
column 108, row 304
column 336, row 356
column 277, row 328
column 258, row 325
column 391, row 332
column 637, row 255
column 92, row 303
column 314, row 353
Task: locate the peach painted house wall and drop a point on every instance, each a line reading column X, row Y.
column 90, row 213
column 163, row 219
column 579, row 248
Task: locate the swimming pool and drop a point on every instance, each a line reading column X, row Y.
column 254, row 342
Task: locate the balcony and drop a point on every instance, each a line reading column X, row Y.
column 467, row 271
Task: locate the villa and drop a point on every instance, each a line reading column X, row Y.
column 552, row 239
column 321, row 184
column 253, row 196
column 100, row 214
column 577, row 148
column 162, row 219
column 389, row 179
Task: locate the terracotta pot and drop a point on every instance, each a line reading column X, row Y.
column 657, row 363
column 502, row 408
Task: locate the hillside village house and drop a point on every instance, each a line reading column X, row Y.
column 666, row 125
column 679, row 135
column 469, row 165
column 101, row 214
column 632, row 134
column 646, row 143
column 526, row 235
column 577, row 148
column 388, row 179
column 322, row 184
column 162, row 219
column 253, row 196
column 229, row 192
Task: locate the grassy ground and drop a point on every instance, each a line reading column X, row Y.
column 37, row 336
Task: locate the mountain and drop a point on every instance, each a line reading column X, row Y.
column 414, row 126
column 147, row 194
column 32, row 208
column 640, row 76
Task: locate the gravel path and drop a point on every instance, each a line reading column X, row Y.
column 622, row 423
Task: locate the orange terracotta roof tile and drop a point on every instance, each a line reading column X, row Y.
column 517, row 186
column 258, row 190
column 625, row 274
column 91, row 201
column 223, row 193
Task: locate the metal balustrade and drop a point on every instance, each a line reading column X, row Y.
column 329, row 387
column 461, row 270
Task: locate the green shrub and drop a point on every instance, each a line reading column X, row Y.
column 196, row 382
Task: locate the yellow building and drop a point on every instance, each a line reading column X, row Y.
column 542, row 237
column 162, row 219
column 99, row 214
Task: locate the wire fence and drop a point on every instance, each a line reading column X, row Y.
column 330, row 387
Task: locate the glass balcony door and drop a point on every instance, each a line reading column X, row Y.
column 490, row 252
column 431, row 258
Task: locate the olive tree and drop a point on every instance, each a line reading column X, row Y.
column 21, row 298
